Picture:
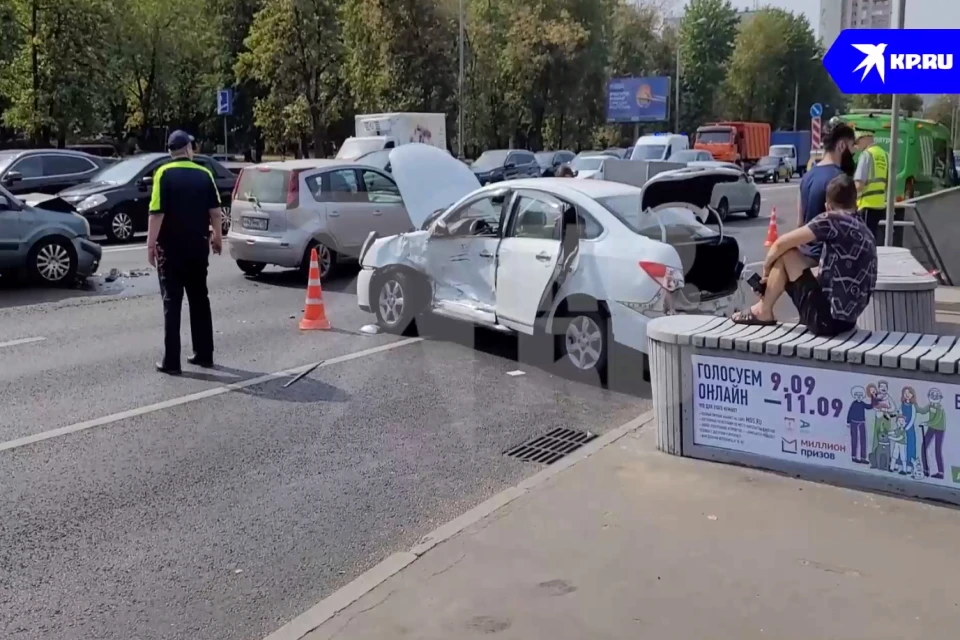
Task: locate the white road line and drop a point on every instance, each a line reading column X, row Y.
column 14, row 343
column 193, row 397
column 118, row 249
column 786, row 186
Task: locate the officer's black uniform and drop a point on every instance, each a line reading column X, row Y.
column 184, row 192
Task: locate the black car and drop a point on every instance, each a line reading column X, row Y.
column 505, row 164
column 46, row 170
column 550, row 161
column 116, row 201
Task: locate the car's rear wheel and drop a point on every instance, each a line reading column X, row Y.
column 225, row 220
column 584, row 342
column 52, row 262
column 251, row 269
column 120, row 227
column 326, row 259
column 396, row 302
column 754, row 211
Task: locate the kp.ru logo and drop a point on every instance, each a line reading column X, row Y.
column 901, row 61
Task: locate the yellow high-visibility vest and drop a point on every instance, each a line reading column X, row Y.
column 874, row 194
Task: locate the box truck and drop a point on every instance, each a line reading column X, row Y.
column 377, row 131
column 792, row 146
column 740, row 142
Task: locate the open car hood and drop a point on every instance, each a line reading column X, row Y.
column 47, row 202
column 691, row 185
column 429, row 179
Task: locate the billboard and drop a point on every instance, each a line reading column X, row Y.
column 638, row 99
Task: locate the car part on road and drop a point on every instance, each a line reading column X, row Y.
column 549, row 448
column 396, row 302
column 53, row 262
column 303, row 374
column 120, row 228
column 252, row 269
column 754, row 211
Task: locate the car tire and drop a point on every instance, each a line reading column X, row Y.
column 52, row 262
column 723, row 209
column 327, row 259
column 396, row 302
column 120, row 227
column 583, row 345
column 776, row 178
column 754, row 211
column 225, row 220
column 252, row 269
column 787, row 177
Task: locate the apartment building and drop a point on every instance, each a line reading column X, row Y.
column 837, row 15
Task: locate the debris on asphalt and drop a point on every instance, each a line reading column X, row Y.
column 711, row 517
column 516, row 373
column 238, row 571
column 370, row 329
column 303, row 374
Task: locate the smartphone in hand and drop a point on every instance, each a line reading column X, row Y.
column 759, row 287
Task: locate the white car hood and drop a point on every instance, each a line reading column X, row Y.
column 429, row 179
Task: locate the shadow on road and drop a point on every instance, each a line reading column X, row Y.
column 19, row 292
column 305, row 390
column 345, row 281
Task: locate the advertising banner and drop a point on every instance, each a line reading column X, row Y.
column 638, row 99
column 863, row 422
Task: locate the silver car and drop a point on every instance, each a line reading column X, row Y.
column 282, row 210
column 741, row 196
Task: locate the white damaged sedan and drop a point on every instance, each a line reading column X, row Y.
column 587, row 261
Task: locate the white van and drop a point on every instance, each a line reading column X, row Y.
column 659, row 146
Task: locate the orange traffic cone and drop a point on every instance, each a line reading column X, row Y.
column 772, row 233
column 314, row 314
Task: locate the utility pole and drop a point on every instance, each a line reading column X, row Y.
column 676, row 115
column 796, row 103
column 460, row 90
column 894, row 145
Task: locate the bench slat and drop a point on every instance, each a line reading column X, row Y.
column 891, row 359
column 948, row 363
column 911, row 359
column 757, row 345
column 686, row 337
column 699, row 339
column 855, row 355
column 789, row 348
column 838, row 352
column 929, row 361
column 773, row 346
column 726, row 342
column 742, row 343
column 713, row 340
column 807, row 350
column 893, row 338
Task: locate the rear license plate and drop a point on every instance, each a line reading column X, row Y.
column 254, row 224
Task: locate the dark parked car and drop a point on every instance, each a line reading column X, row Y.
column 46, row 170
column 550, row 161
column 116, row 201
column 505, row 164
column 99, row 150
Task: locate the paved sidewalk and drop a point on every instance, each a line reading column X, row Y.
column 630, row 543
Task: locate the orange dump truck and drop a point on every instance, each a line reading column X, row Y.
column 741, row 142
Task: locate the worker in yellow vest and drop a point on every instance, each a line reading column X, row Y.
column 871, row 180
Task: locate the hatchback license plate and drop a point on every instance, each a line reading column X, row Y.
column 256, row 224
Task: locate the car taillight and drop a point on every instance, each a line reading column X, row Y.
column 667, row 277
column 293, row 190
column 236, row 186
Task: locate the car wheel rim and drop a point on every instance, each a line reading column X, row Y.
column 324, row 257
column 122, row 226
column 391, row 302
column 225, row 219
column 584, row 342
column 53, row 262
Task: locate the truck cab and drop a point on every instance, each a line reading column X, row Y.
column 742, row 143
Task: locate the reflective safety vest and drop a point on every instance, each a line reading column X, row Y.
column 874, row 194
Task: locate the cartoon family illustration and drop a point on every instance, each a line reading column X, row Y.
column 897, row 431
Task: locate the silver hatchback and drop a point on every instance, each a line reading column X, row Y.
column 282, row 210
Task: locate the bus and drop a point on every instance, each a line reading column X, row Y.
column 926, row 158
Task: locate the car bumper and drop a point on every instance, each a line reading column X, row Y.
column 364, row 280
column 275, row 251
column 98, row 221
column 88, row 257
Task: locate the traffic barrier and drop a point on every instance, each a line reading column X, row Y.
column 772, row 233
column 314, row 313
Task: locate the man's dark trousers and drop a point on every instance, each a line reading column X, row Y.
column 179, row 275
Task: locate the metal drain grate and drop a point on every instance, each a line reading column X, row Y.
column 549, row 448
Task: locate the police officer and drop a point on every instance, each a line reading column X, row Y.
column 871, row 180
column 184, row 212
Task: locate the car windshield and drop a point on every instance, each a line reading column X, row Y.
column 379, row 159
column 125, row 170
column 714, row 136
column 354, row 148
column 587, row 163
column 768, row 161
column 684, row 156
column 781, row 152
column 648, row 152
column 6, row 159
column 490, row 160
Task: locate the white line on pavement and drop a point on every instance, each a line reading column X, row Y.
column 193, row 397
column 786, row 186
column 118, row 249
column 14, row 343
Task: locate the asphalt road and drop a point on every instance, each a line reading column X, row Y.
column 137, row 505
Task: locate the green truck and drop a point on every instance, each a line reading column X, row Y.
column 926, row 157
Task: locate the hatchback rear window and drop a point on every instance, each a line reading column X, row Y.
column 264, row 184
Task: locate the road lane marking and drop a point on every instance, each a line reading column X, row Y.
column 785, row 186
column 118, row 249
column 14, row 343
column 194, row 397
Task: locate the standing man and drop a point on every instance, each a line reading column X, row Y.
column 838, row 144
column 184, row 211
column 871, row 179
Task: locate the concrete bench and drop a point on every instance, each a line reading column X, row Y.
column 779, row 398
column 903, row 299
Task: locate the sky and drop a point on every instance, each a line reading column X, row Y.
column 921, row 14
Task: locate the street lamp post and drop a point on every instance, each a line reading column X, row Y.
column 894, row 146
column 460, row 90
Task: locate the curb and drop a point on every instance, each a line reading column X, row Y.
column 339, row 600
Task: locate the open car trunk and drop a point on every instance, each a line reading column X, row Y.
column 711, row 261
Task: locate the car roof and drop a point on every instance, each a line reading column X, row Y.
column 65, row 152
column 307, row 163
column 589, row 188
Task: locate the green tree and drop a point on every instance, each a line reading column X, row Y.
column 294, row 52
column 943, row 110
column 707, row 34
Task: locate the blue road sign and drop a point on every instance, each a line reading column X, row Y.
column 888, row 61
column 638, row 99
column 816, row 110
column 225, row 102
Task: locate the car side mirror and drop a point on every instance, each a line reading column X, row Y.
column 146, row 181
column 510, row 164
column 12, row 176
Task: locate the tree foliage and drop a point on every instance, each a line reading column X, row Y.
column 707, row 35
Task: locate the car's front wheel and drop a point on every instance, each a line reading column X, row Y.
column 754, row 211
column 584, row 341
column 396, row 302
column 120, row 227
column 52, row 261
